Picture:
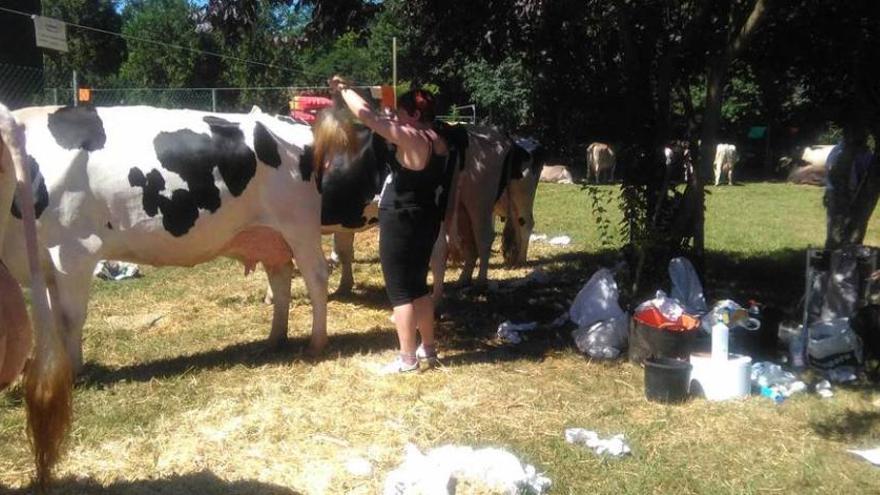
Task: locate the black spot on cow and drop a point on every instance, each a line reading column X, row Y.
column 179, row 213
column 38, row 190
column 109, row 225
column 234, row 159
column 266, row 146
column 373, row 220
column 307, row 165
column 152, row 184
column 193, row 156
column 77, row 128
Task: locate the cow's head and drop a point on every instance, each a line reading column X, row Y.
column 517, row 202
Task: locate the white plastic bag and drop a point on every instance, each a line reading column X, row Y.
column 596, row 301
column 604, row 339
column 833, row 343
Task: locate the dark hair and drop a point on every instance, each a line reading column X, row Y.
column 418, row 99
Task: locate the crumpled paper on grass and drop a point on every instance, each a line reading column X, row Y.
column 438, row 472
column 870, row 455
column 614, row 446
column 510, row 332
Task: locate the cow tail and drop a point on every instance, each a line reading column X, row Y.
column 334, row 133
column 48, row 380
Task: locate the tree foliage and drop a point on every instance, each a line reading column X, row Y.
column 95, row 56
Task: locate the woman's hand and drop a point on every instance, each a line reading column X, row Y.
column 337, row 84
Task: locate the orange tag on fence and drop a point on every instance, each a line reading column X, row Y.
column 388, row 97
column 84, row 95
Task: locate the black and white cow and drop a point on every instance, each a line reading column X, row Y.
column 170, row 187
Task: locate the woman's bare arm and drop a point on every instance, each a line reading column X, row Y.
column 403, row 136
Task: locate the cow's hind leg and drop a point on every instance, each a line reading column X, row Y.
column 485, row 233
column 467, row 249
column 343, row 246
column 313, row 267
column 69, row 296
column 279, row 290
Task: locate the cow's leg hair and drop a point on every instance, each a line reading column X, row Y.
column 313, row 267
column 717, row 175
column 279, row 289
column 730, row 176
column 343, row 246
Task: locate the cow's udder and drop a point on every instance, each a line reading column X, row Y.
column 259, row 245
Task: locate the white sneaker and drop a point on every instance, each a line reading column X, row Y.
column 399, row 366
column 431, row 360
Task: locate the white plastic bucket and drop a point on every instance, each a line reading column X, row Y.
column 721, row 380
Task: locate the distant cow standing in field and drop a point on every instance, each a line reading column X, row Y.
column 600, row 162
column 725, row 161
column 558, row 174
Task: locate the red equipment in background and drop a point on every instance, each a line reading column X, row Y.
column 306, row 108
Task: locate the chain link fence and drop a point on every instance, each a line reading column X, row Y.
column 24, row 86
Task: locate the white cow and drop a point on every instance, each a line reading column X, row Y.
column 600, row 162
column 557, row 174
column 725, row 160
column 170, row 187
column 810, row 169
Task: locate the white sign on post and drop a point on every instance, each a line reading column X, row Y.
column 50, row 33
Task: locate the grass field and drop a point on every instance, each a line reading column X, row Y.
column 179, row 397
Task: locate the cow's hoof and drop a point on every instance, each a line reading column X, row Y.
column 344, row 290
column 275, row 344
column 316, row 348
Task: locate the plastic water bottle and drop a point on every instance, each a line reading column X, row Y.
column 796, row 348
column 773, row 394
column 720, row 341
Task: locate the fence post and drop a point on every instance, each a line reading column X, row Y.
column 74, row 88
column 214, row 100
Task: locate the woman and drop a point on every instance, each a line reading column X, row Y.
column 410, row 213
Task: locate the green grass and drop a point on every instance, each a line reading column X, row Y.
column 191, row 403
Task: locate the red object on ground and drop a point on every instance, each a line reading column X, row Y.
column 652, row 317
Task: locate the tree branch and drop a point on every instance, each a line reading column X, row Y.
column 748, row 28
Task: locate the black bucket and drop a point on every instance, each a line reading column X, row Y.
column 667, row 379
column 646, row 342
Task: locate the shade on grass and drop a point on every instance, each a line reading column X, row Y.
column 189, row 403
